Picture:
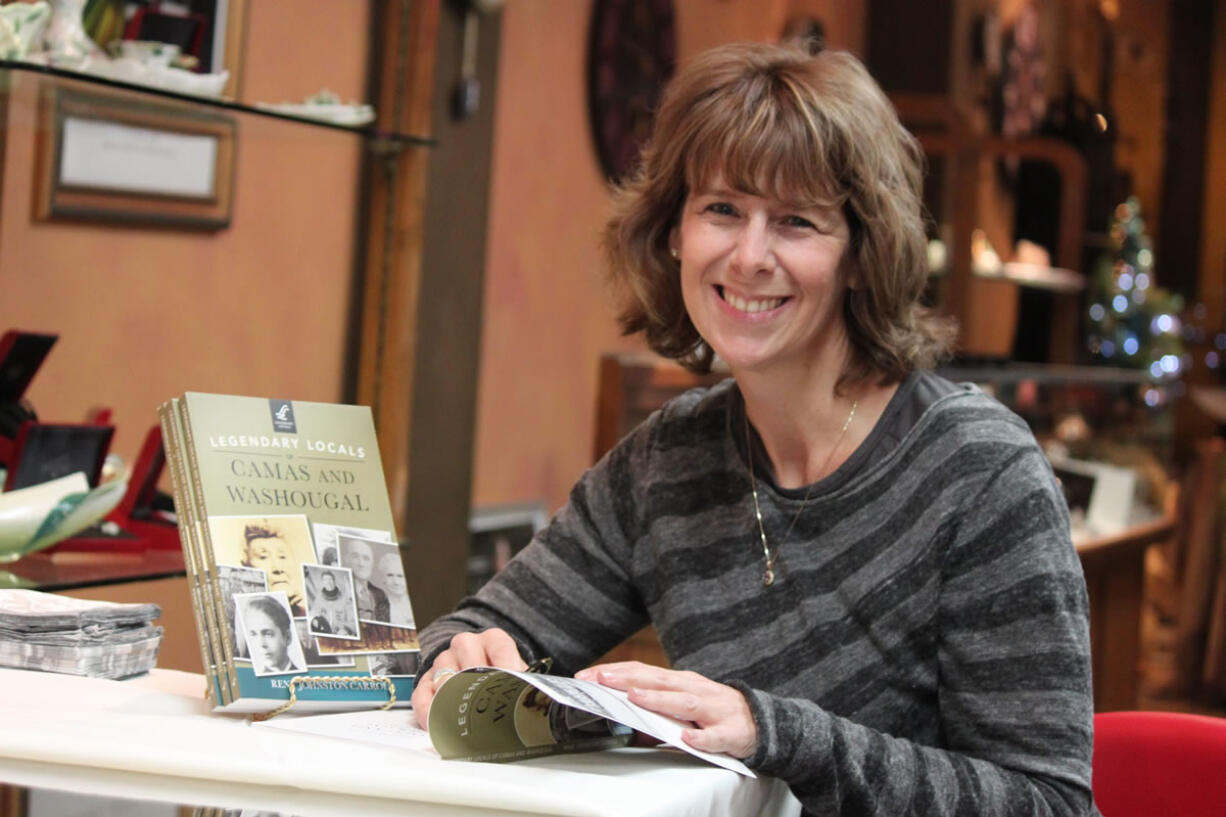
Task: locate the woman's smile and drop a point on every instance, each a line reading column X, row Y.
column 749, row 305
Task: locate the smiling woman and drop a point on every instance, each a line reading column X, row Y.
column 861, row 573
column 761, row 281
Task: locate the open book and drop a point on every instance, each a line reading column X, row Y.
column 499, row 715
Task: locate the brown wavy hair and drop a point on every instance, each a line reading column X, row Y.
column 814, row 130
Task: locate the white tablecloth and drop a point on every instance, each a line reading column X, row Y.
column 153, row 737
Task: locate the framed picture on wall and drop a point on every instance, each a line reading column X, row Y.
column 496, row 533
column 104, row 156
column 208, row 32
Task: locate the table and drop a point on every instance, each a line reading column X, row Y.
column 152, row 738
column 1114, row 568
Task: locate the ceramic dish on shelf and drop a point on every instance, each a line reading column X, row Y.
column 37, row 517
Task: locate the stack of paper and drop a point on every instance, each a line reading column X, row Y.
column 43, row 631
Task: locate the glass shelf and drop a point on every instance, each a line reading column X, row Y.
column 1010, row 372
column 78, row 79
column 55, row 570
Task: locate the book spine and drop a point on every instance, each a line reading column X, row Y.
column 215, row 598
column 186, row 516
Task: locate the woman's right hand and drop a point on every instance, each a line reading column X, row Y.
column 488, row 648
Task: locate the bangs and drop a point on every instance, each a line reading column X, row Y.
column 759, row 138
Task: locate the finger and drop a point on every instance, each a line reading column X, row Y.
column 468, row 650
column 625, row 674
column 423, row 695
column 444, row 666
column 502, row 650
column 721, row 738
column 683, row 706
column 429, row 680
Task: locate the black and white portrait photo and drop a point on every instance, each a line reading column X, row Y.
column 236, row 580
column 264, row 621
column 330, row 607
column 367, row 558
column 327, row 549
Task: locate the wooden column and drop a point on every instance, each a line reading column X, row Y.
column 392, row 274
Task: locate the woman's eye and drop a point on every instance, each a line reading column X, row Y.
column 720, row 208
column 800, row 222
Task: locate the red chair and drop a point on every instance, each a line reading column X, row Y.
column 1150, row 764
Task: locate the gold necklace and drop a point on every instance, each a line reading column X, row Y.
column 768, row 577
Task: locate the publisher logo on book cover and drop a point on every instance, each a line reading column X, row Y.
column 283, row 416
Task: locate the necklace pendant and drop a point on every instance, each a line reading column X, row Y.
column 768, row 578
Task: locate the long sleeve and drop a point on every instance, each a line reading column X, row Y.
column 1014, row 697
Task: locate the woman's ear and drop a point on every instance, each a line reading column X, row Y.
column 674, row 242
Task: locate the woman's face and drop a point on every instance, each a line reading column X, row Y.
column 762, row 280
column 265, row 638
column 272, row 556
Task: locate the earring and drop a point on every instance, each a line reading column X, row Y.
column 673, row 252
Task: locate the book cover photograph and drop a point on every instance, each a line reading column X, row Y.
column 297, row 581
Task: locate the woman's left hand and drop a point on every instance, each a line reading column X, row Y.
column 720, row 713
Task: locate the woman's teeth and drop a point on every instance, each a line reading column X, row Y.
column 760, row 305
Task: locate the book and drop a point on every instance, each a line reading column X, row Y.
column 498, row 715
column 296, row 577
column 52, row 633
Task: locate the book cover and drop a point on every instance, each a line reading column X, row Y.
column 301, row 583
column 216, row 688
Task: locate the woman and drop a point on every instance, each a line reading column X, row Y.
column 266, row 548
column 860, row 572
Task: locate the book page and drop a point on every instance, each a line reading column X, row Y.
column 485, row 714
column 615, row 705
column 395, row 728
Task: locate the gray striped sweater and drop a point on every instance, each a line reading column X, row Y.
column 925, row 649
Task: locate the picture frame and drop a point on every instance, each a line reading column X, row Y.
column 211, row 31
column 47, row 451
column 1101, row 497
column 106, row 156
column 496, row 534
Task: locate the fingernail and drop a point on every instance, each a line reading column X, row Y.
column 584, row 675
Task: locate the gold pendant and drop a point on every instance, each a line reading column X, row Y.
column 768, row 578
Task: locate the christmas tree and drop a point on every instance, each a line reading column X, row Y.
column 1133, row 322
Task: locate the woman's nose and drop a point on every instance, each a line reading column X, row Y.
column 753, row 252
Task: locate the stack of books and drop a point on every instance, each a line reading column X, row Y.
column 42, row 631
column 297, row 581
